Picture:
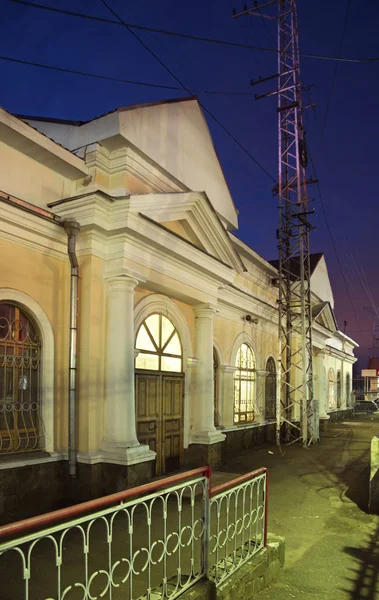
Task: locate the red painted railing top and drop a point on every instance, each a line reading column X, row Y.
column 223, row 487
column 19, row 527
column 51, row 518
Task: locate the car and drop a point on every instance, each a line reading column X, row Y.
column 367, row 406
column 376, row 402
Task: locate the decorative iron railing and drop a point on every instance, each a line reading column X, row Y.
column 238, row 517
column 154, row 541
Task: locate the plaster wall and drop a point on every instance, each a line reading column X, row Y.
column 46, row 280
column 30, row 180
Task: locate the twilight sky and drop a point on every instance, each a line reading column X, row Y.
column 344, row 155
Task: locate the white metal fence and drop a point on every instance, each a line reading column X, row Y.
column 154, row 541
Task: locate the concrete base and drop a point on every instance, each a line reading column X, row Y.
column 324, row 424
column 242, row 439
column 197, row 455
column 36, row 489
column 255, row 575
column 337, row 416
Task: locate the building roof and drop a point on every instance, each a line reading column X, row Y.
column 173, row 134
column 79, row 123
column 314, row 259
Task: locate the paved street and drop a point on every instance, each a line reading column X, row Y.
column 318, row 502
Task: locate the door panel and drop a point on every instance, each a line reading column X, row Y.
column 159, row 415
column 147, row 411
column 172, row 392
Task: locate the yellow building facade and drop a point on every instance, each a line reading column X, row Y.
column 176, row 342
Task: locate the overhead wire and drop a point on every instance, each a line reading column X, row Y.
column 185, row 88
column 336, row 66
column 332, row 240
column 118, row 79
column 186, row 35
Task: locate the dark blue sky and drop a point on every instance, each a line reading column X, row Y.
column 345, row 157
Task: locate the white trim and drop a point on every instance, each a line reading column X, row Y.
column 47, row 363
column 23, row 460
column 249, row 426
column 157, row 303
column 242, row 338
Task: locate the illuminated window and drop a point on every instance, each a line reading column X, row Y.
column 20, row 357
column 347, row 389
column 338, row 389
column 270, row 390
column 158, row 345
column 244, row 385
column 331, row 399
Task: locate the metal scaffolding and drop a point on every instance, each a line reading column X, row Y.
column 295, row 410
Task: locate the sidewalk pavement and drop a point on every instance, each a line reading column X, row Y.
column 318, row 502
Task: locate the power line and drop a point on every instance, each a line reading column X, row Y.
column 186, row 89
column 332, row 240
column 118, row 79
column 187, row 36
column 336, row 66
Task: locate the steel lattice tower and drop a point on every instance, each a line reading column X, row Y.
column 295, row 414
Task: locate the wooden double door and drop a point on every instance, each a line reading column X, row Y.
column 159, row 416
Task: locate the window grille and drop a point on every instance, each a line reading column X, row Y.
column 244, row 386
column 20, row 367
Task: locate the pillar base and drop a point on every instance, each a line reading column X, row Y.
column 208, row 437
column 119, row 454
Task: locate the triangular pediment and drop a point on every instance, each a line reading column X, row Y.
column 323, row 315
column 190, row 216
column 184, row 230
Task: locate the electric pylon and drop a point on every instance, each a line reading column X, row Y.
column 295, row 410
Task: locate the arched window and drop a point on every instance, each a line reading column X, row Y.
column 244, row 385
column 347, row 389
column 331, row 389
column 158, row 345
column 215, row 389
column 270, row 390
column 338, row 389
column 20, row 358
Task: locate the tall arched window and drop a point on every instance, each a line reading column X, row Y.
column 158, row 345
column 331, row 399
column 347, row 389
column 338, row 389
column 270, row 389
column 244, row 385
column 20, row 357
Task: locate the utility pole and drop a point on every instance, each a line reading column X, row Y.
column 375, row 328
column 295, row 409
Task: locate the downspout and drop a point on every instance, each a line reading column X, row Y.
column 72, row 229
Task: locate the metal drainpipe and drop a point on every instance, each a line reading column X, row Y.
column 72, row 229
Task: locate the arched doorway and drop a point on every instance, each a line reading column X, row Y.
column 159, row 391
column 270, row 390
column 20, row 371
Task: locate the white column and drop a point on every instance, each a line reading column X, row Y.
column 204, row 430
column 260, row 395
column 319, row 384
column 120, row 439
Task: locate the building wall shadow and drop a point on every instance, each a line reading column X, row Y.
column 365, row 582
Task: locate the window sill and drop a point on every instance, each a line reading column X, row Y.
column 248, row 426
column 14, row 461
